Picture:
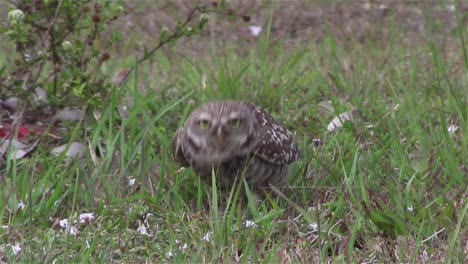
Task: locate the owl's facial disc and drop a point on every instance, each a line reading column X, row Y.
column 233, row 130
column 220, row 136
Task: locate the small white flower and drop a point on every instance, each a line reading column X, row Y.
column 131, row 182
column 73, row 230
column 70, row 229
column 189, row 29
column 21, row 205
column 249, row 223
column 410, row 208
column 255, row 30
column 452, row 128
column 86, row 218
column 204, row 17
column 15, row 16
column 142, row 230
column 5, row 226
column 63, row 223
column 313, row 226
column 27, row 57
column 164, row 33
column 16, row 249
column 184, row 247
column 207, row 237
column 169, row 254
column 66, row 45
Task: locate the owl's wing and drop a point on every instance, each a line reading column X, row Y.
column 177, row 151
column 276, row 146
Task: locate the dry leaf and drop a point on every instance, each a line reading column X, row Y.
column 338, row 121
column 76, row 149
column 19, row 149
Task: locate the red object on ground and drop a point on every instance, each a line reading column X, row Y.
column 7, row 130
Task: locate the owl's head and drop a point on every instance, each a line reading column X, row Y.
column 218, row 131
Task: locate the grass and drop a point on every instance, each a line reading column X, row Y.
column 390, row 186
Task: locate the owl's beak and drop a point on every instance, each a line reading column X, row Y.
column 220, row 136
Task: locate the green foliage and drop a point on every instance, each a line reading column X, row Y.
column 60, row 46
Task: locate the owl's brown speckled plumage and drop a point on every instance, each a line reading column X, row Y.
column 236, row 139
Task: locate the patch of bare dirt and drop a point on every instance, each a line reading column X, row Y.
column 298, row 22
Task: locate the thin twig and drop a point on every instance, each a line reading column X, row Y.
column 173, row 36
column 51, row 25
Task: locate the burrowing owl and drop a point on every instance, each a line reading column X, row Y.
column 236, row 139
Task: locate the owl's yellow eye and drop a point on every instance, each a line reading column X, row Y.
column 235, row 122
column 204, row 124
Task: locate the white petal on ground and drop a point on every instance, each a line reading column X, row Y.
column 19, row 149
column 207, row 237
column 313, row 227
column 70, row 229
column 338, row 121
column 97, row 115
column 410, row 208
column 452, row 128
column 16, row 248
column 63, row 223
column 76, row 149
column 169, row 254
column 255, row 30
column 86, row 218
column 131, row 182
column 73, row 230
column 21, row 205
column 142, row 230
